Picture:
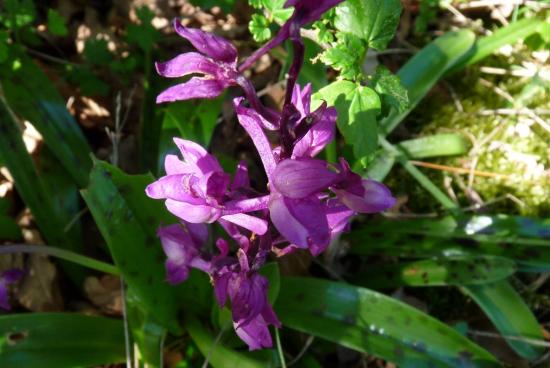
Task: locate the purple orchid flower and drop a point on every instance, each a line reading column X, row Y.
column 196, row 190
column 251, row 311
column 182, row 245
column 6, row 278
column 216, row 60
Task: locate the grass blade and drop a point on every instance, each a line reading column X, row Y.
column 448, row 144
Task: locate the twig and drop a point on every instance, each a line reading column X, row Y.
column 280, row 348
column 507, row 112
column 216, row 341
column 458, row 170
column 75, row 218
column 306, row 346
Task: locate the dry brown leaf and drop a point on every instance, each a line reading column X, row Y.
column 104, row 293
column 39, row 290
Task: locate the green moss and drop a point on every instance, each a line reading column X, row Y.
column 513, row 146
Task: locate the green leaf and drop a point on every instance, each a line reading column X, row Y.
column 226, row 5
column 96, row 52
column 18, row 13
column 437, row 145
column 357, row 108
column 195, row 120
column 56, row 23
column 314, row 73
column 503, row 36
column 259, row 27
column 32, row 96
column 9, row 230
column 375, row 21
column 510, row 315
column 143, row 34
column 30, row 186
column 60, row 340
column 346, row 56
column 425, row 69
column 441, row 271
column 146, row 333
column 218, row 355
column 128, row 220
column 271, row 271
column 4, row 48
column 389, row 87
column 376, row 324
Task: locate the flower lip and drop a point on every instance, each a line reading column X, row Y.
column 299, row 178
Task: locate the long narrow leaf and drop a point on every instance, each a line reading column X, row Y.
column 32, row 96
column 441, row 271
column 437, row 145
column 423, row 71
column 60, row 340
column 373, row 323
column 510, row 315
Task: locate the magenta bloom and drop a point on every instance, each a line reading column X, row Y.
column 251, row 311
column 6, row 278
column 216, row 61
column 196, row 190
column 182, row 245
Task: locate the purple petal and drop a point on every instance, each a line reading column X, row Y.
column 198, row 232
column 250, row 121
column 255, row 333
column 307, row 11
column 375, row 197
column 234, row 233
column 6, row 278
column 246, row 205
column 176, row 187
column 214, row 46
column 248, row 295
column 318, row 136
column 194, row 213
column 220, row 287
column 254, row 224
column 188, row 63
column 241, row 179
column 173, row 165
column 180, row 251
column 302, row 178
column 196, row 155
column 301, row 221
column 195, row 87
column 301, row 98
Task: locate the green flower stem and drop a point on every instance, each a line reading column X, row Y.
column 280, row 348
column 60, row 253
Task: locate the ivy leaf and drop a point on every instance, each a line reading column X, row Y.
column 389, row 86
column 346, row 56
column 357, row 108
column 259, row 27
column 56, row 23
column 375, row 21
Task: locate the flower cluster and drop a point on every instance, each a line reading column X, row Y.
column 309, row 200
